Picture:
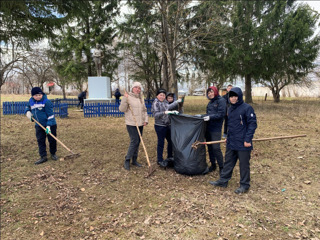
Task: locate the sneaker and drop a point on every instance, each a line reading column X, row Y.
column 241, row 190
column 219, row 183
column 41, row 160
column 54, row 157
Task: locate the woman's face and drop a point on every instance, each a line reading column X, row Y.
column 136, row 90
column 161, row 97
column 211, row 94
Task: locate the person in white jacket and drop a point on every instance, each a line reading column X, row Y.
column 136, row 101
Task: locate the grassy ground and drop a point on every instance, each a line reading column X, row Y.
column 93, row 197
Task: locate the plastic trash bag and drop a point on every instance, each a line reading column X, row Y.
column 185, row 130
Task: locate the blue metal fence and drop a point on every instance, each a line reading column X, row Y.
column 109, row 109
column 72, row 102
column 12, row 108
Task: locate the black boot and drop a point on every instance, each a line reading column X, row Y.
column 135, row 163
column 41, row 160
column 127, row 164
column 213, row 167
column 54, row 157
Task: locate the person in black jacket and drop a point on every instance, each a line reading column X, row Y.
column 216, row 110
column 81, row 98
column 117, row 95
column 242, row 124
column 226, row 97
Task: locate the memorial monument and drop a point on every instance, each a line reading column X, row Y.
column 99, row 87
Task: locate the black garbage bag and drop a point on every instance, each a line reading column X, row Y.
column 185, row 130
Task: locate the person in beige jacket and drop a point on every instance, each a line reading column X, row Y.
column 136, row 101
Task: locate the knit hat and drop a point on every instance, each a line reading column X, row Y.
column 36, row 90
column 161, row 90
column 136, row 84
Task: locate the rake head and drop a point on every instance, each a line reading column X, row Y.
column 72, row 156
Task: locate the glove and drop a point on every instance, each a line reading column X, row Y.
column 29, row 115
column 48, row 130
column 179, row 100
column 206, row 118
column 171, row 112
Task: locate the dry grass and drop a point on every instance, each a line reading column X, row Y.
column 93, row 197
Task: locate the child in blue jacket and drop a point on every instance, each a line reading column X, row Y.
column 41, row 109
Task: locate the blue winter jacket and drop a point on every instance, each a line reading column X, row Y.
column 242, row 123
column 216, row 109
column 42, row 111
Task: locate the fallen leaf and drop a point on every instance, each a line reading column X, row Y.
column 307, row 182
column 82, row 189
column 42, row 233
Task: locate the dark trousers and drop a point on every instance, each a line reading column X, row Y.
column 214, row 150
column 163, row 133
column 225, row 128
column 41, row 138
column 244, row 162
column 118, row 101
column 81, row 101
column 134, row 142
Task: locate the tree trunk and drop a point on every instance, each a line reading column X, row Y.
column 64, row 92
column 276, row 94
column 248, row 90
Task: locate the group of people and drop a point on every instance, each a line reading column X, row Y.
column 239, row 117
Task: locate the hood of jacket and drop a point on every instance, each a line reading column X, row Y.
column 237, row 91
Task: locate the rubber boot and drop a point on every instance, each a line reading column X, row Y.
column 127, row 164
column 135, row 163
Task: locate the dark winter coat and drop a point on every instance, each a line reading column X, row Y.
column 117, row 94
column 216, row 110
column 83, row 95
column 242, row 123
column 42, row 111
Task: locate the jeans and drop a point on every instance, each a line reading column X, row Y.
column 134, row 142
column 163, row 133
column 214, row 150
column 244, row 162
column 41, row 138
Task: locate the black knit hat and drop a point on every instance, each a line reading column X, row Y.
column 36, row 90
column 161, row 90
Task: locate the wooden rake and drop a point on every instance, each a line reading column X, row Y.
column 72, row 155
column 197, row 143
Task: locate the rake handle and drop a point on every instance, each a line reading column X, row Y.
column 52, row 135
column 258, row 139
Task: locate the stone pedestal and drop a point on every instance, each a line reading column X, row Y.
column 99, row 88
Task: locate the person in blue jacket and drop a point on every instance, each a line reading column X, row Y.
column 242, row 124
column 216, row 110
column 41, row 109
